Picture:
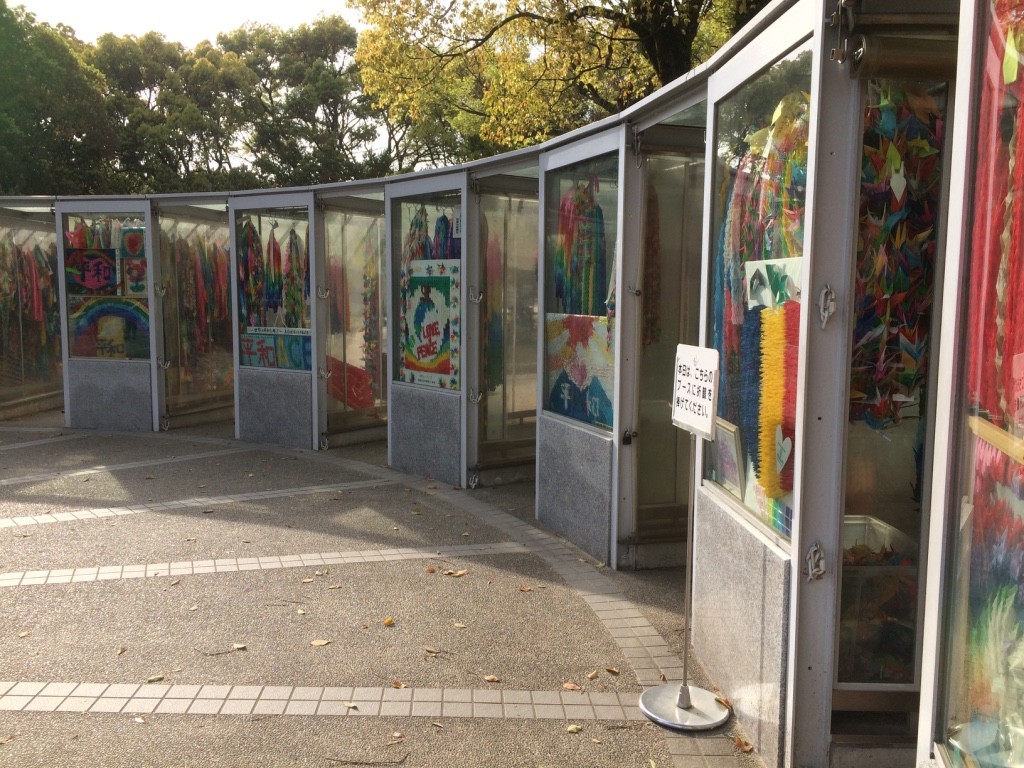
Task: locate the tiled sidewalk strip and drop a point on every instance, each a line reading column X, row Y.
column 201, row 501
column 115, row 467
column 287, row 700
column 42, row 441
column 232, row 565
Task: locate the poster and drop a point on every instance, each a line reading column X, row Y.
column 284, row 348
column 133, row 276
column 91, row 271
column 108, row 327
column 580, row 368
column 430, row 324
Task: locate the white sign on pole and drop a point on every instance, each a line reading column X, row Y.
column 696, row 390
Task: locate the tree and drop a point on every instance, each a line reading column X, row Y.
column 306, row 118
column 54, row 131
column 516, row 74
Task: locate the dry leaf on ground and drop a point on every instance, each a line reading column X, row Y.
column 351, row 705
column 398, row 684
column 592, row 675
column 742, row 745
column 154, row 679
column 574, row 728
column 389, row 621
column 240, row 647
column 525, row 588
column 307, row 581
column 319, row 643
column 431, row 569
column 612, row 670
column 492, row 679
column 571, row 687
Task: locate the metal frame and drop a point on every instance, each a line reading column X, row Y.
column 446, row 181
column 108, row 205
column 252, row 202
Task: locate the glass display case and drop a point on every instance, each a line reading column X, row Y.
column 274, row 289
column 580, row 220
column 355, row 247
column 428, row 325
column 106, row 281
column 195, row 295
column 507, row 349
column 30, row 356
column 981, row 704
column 758, row 210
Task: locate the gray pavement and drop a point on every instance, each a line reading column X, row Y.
column 184, row 599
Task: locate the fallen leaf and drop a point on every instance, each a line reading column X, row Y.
column 335, row 586
column 390, row 620
column 307, row 581
column 24, row 634
column 207, row 511
column 240, row 647
column 525, row 588
column 431, row 569
column 459, row 625
column 397, row 735
column 571, row 687
column 351, row 705
column 176, row 582
column 154, row 679
column 457, row 574
column 203, row 485
column 300, row 612
column 120, row 651
column 319, row 573
column 492, row 679
column 394, row 528
column 398, row 684
column 7, row 739
column 138, row 719
column 431, row 651
column 437, row 725
column 596, row 741
column 193, row 607
column 612, row 670
column 192, row 538
column 319, row 643
column 466, row 535
column 251, row 475
column 150, row 477
column 742, row 745
column 574, row 728
column 724, row 702
column 592, row 675
column 662, row 677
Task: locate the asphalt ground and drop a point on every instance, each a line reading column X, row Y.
column 330, row 610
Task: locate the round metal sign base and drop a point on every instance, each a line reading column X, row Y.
column 659, row 704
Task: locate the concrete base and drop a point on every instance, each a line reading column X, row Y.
column 425, row 432
column 877, row 756
column 276, row 407
column 574, row 484
column 114, row 395
column 741, row 619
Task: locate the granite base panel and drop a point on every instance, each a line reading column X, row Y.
column 425, row 433
column 574, row 485
column 275, row 407
column 110, row 394
column 741, row 621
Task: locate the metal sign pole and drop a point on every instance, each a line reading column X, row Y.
column 685, row 707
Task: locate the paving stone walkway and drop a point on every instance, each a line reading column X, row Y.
column 498, row 624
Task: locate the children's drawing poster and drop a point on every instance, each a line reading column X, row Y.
column 133, row 276
column 109, row 327
column 91, row 271
column 284, row 348
column 580, row 368
column 133, row 243
column 430, row 323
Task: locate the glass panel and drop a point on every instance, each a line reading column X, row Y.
column 273, row 289
column 673, row 213
column 508, row 311
column 106, row 277
column 757, row 226
column 194, row 267
column 356, row 389
column 580, row 223
column 30, row 357
column 429, row 266
column 901, row 188
column 983, row 685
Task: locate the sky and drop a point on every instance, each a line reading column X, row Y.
column 182, row 21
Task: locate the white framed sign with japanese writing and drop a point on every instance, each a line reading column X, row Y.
column 696, row 390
